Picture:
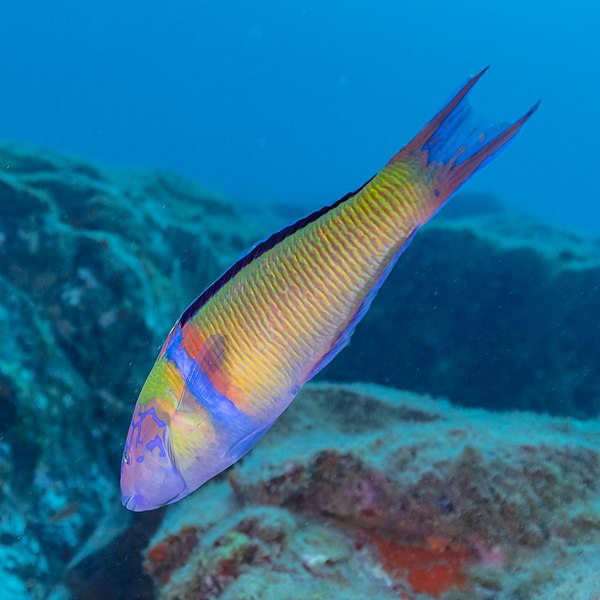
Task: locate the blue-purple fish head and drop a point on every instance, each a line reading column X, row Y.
column 149, row 476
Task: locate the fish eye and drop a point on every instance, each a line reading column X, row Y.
column 126, row 457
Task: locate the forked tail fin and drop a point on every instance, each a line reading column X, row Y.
column 457, row 142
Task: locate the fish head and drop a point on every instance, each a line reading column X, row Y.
column 150, row 477
column 184, row 431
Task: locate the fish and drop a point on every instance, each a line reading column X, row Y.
column 242, row 350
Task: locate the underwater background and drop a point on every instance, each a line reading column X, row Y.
column 452, row 451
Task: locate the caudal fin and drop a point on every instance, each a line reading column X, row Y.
column 457, row 142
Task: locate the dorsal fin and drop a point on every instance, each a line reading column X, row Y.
column 257, row 251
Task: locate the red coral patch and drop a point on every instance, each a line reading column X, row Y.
column 170, row 554
column 433, row 570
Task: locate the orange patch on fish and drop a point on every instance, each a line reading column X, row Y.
column 210, row 352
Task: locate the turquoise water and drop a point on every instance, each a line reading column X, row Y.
column 299, row 102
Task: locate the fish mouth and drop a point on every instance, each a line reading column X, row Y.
column 127, row 502
column 138, row 503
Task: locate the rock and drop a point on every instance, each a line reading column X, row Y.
column 95, row 266
column 22, row 560
column 486, row 308
column 434, row 500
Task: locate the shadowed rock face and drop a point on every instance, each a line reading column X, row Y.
column 494, row 311
column 488, row 308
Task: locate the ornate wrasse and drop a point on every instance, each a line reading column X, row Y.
column 242, row 350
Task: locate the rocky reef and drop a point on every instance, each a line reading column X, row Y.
column 487, row 308
column 362, row 492
column 95, row 266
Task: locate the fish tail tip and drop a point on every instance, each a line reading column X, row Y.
column 533, row 108
column 527, row 115
column 475, row 78
column 467, row 87
column 480, row 74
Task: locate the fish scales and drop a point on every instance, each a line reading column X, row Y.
column 240, row 353
column 300, row 329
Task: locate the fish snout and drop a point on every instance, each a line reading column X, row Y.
column 136, row 503
column 146, row 489
column 127, row 502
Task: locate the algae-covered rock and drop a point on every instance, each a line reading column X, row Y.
column 95, row 266
column 419, row 497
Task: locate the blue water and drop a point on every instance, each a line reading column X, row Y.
column 299, row 102
column 288, row 105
